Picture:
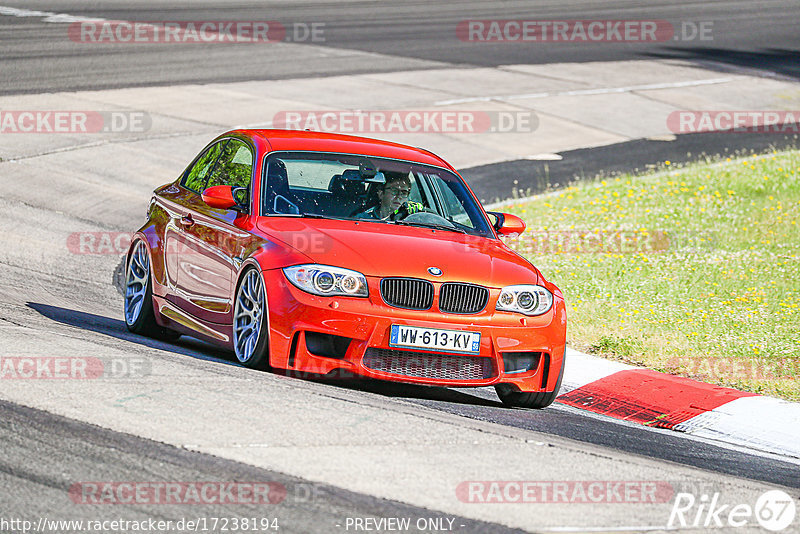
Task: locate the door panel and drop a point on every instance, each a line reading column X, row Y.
column 173, row 203
column 209, row 241
column 212, row 240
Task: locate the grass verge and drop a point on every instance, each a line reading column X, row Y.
column 693, row 271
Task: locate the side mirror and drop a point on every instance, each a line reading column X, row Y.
column 507, row 224
column 226, row 197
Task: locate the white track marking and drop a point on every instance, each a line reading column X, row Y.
column 584, row 92
column 581, row 369
column 764, row 423
column 48, row 16
column 728, row 444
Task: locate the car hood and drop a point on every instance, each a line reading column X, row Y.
column 381, row 249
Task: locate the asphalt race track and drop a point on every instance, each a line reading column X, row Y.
column 333, row 452
column 415, row 34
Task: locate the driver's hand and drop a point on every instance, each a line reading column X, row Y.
column 407, row 208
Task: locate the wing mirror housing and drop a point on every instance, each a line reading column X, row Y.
column 507, row 224
column 226, row 197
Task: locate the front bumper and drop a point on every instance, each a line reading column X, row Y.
column 298, row 320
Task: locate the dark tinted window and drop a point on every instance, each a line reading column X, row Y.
column 234, row 167
column 196, row 178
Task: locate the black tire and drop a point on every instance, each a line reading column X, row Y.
column 512, row 397
column 258, row 357
column 142, row 322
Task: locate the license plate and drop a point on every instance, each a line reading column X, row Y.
column 435, row 339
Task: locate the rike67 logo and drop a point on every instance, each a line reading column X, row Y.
column 774, row 510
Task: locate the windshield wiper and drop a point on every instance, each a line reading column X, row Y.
column 319, row 216
column 432, row 225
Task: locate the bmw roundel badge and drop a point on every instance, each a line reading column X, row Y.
column 435, row 271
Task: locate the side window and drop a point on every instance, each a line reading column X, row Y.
column 452, row 204
column 416, row 191
column 195, row 179
column 234, row 167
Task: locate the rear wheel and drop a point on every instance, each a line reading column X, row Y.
column 511, row 396
column 250, row 331
column 139, row 313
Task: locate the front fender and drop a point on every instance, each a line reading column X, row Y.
column 269, row 255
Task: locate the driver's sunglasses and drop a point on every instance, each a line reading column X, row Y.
column 399, row 192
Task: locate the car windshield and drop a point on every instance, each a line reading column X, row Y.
column 346, row 186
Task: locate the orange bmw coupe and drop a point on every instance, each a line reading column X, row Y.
column 332, row 254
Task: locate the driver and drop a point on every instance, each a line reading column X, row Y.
column 393, row 200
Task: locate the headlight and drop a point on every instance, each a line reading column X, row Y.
column 530, row 300
column 327, row 281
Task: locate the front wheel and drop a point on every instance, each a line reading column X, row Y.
column 139, row 314
column 250, row 330
column 511, row 396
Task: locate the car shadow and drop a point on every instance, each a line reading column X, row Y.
column 394, row 389
column 186, row 345
column 195, row 348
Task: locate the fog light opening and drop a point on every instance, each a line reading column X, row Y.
column 327, row 345
column 520, row 362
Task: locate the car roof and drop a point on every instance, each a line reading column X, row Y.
column 348, row 144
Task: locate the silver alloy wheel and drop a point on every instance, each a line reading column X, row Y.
column 136, row 280
column 247, row 315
